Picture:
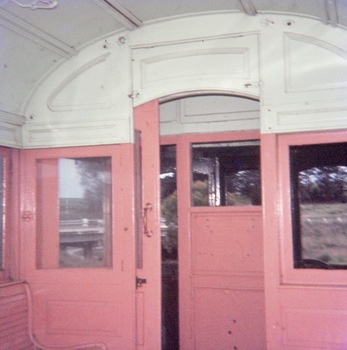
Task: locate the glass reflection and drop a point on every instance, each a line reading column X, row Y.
column 226, row 174
column 319, row 186
column 85, row 212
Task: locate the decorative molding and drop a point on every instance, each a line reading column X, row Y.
column 303, row 74
column 230, row 247
column 31, row 33
column 10, row 135
column 76, row 134
column 327, row 325
column 314, row 41
column 325, row 116
column 11, row 129
column 38, row 4
column 248, row 7
column 119, row 13
column 217, row 109
column 329, row 12
column 78, row 310
column 227, row 62
column 288, row 119
column 11, row 118
column 221, row 63
column 50, row 101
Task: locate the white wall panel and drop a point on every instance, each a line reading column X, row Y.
column 299, row 117
column 75, row 134
column 295, row 66
column 214, row 113
column 11, row 129
column 303, row 61
column 85, row 101
column 228, row 63
column 85, row 88
column 312, row 64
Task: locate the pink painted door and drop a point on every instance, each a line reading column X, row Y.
column 148, row 294
column 306, row 245
column 220, row 245
column 77, row 244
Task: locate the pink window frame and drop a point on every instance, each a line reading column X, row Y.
column 291, row 275
column 9, row 197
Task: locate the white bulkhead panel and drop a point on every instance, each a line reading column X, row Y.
column 304, row 66
column 225, row 63
column 213, row 113
column 295, row 67
column 85, row 101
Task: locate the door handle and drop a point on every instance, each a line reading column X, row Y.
column 140, row 282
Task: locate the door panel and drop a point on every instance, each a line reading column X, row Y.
column 78, row 305
column 148, row 295
column 220, row 261
column 224, row 318
column 227, row 269
column 226, row 241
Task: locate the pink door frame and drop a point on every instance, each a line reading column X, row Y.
column 148, row 296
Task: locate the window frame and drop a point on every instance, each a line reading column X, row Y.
column 296, row 166
column 122, row 221
column 7, row 261
column 290, row 274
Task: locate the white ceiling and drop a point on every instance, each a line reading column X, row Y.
column 36, row 34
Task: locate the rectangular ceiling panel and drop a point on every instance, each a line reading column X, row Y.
column 305, row 7
column 154, row 9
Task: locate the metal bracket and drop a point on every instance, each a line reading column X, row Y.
column 140, row 282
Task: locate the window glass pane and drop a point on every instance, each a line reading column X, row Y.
column 226, row 174
column 74, row 201
column 2, row 213
column 319, row 186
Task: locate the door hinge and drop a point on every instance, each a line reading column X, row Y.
column 140, row 282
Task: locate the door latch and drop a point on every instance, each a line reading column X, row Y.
column 140, row 282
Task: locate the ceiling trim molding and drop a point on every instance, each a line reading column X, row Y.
column 11, row 118
column 248, row 7
column 332, row 12
column 119, row 13
column 31, row 33
column 329, row 13
column 38, row 4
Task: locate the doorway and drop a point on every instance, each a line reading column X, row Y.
column 210, row 183
column 211, row 231
column 169, row 248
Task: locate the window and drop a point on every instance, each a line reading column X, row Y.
column 74, row 212
column 319, row 205
column 226, row 174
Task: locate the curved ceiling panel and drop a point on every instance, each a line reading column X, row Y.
column 36, row 34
